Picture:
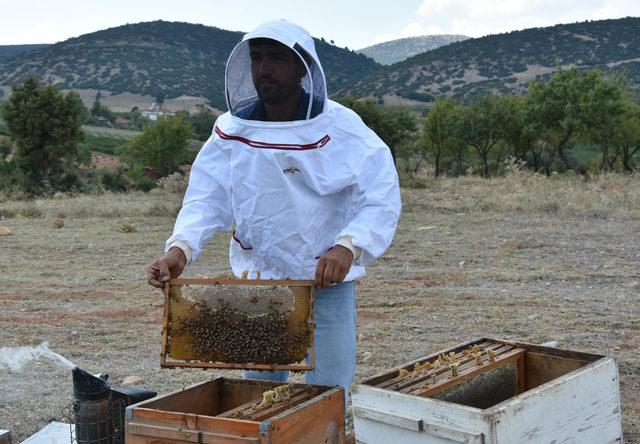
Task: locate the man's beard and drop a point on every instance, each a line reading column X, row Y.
column 271, row 92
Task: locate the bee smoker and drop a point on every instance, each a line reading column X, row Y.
column 94, row 413
column 98, row 410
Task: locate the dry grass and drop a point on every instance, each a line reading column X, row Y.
column 524, row 257
column 107, row 205
column 601, row 196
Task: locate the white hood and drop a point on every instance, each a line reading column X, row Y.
column 239, row 87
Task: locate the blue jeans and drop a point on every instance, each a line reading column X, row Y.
column 334, row 338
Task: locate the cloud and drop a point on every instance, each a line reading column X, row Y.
column 483, row 17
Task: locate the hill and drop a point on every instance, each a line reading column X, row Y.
column 394, row 51
column 159, row 60
column 508, row 62
column 8, row 51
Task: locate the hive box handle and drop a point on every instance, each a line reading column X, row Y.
column 419, row 425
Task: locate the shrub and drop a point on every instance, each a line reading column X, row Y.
column 108, row 180
column 140, row 179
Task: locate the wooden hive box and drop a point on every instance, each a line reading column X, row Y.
column 524, row 394
column 223, row 411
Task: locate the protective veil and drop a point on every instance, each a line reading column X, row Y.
column 291, row 188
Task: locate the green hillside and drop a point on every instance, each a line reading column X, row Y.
column 508, row 62
column 8, row 51
column 167, row 60
column 161, row 59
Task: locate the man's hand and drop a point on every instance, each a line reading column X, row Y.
column 169, row 265
column 333, row 266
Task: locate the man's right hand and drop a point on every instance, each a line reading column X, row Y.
column 169, row 265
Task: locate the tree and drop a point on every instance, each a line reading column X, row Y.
column 543, row 154
column 556, row 108
column 601, row 111
column 481, row 126
column 202, row 123
column 515, row 131
column 160, row 147
column 100, row 110
column 46, row 128
column 627, row 138
column 441, row 136
column 393, row 125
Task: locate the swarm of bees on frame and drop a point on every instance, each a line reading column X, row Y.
column 279, row 395
column 430, row 369
column 226, row 333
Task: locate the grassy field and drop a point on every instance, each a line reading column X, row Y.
column 523, row 257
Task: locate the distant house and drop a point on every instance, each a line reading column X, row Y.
column 122, row 123
column 156, row 111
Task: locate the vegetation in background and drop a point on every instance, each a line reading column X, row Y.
column 160, row 148
column 4, row 130
column 392, row 124
column 507, row 63
column 45, row 125
column 202, row 123
column 441, row 135
column 100, row 110
column 577, row 121
column 160, row 59
column 102, row 144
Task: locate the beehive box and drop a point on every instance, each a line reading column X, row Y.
column 238, row 323
column 232, row 411
column 523, row 393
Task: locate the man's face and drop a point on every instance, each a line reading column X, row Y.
column 276, row 71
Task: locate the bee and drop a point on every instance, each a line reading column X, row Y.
column 492, row 355
column 245, row 274
column 454, row 368
column 282, row 393
column 416, row 370
column 404, row 374
column 426, row 367
column 478, row 357
column 268, row 398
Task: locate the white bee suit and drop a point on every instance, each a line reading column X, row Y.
column 293, row 189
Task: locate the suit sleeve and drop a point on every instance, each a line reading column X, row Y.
column 375, row 203
column 206, row 207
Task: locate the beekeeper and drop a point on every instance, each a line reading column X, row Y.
column 312, row 191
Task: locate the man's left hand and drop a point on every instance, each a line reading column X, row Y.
column 333, row 266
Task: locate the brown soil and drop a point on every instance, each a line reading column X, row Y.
column 526, row 258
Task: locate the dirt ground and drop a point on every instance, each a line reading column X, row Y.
column 523, row 257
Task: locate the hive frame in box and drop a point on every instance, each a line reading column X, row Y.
column 569, row 396
column 202, row 413
column 165, row 360
column 437, row 380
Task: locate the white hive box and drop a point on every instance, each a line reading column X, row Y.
column 524, row 394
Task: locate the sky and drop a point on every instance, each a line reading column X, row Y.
column 351, row 23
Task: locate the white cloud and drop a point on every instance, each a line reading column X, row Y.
column 483, row 17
